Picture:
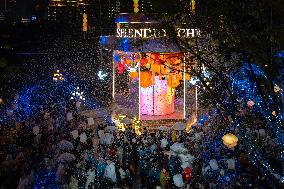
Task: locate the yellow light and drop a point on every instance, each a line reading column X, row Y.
column 190, row 122
column 117, row 118
column 192, row 6
column 85, row 22
column 136, row 5
column 230, row 140
column 170, row 94
column 122, row 116
column 136, row 126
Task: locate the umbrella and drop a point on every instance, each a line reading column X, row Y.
column 110, row 128
column 65, row 145
column 163, row 128
column 66, row 157
column 178, row 148
column 178, row 126
column 178, row 181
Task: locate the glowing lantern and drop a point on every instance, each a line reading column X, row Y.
column 192, row 6
column 128, row 61
column 176, row 60
column 179, row 76
column 156, row 68
column 85, row 22
column 120, row 68
column 143, row 61
column 135, row 5
column 148, row 65
column 230, row 140
column 157, row 58
column 163, row 70
column 187, row 77
column 146, row 79
column 173, row 80
column 133, row 75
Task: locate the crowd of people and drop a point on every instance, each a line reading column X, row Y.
column 54, row 150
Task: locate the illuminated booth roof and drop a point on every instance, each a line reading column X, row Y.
column 135, row 45
column 145, row 61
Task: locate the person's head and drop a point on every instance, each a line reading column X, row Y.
column 108, row 162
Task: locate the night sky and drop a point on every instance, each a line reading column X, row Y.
column 26, row 8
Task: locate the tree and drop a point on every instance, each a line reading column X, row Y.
column 240, row 46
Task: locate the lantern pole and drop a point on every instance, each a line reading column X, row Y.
column 196, row 101
column 184, row 89
column 113, row 77
column 139, row 116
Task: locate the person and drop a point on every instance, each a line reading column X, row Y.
column 26, row 180
column 187, row 175
column 164, row 177
column 122, row 176
column 110, row 172
column 91, row 174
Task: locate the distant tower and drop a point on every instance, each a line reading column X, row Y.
column 7, row 5
column 56, row 9
column 68, row 13
column 145, row 6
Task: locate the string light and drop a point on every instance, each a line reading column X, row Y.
column 101, row 75
column 77, row 94
column 57, row 76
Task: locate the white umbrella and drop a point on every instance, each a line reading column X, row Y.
column 75, row 134
column 36, row 130
column 65, row 145
column 178, row 181
column 110, row 128
column 178, row 148
column 164, row 143
column 66, row 157
column 178, row 126
column 83, row 137
column 163, row 128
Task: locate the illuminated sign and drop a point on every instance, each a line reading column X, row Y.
column 155, row 33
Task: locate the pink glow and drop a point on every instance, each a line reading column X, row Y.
column 159, row 103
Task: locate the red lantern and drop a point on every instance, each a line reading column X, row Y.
column 120, row 68
column 157, row 58
column 143, row 61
